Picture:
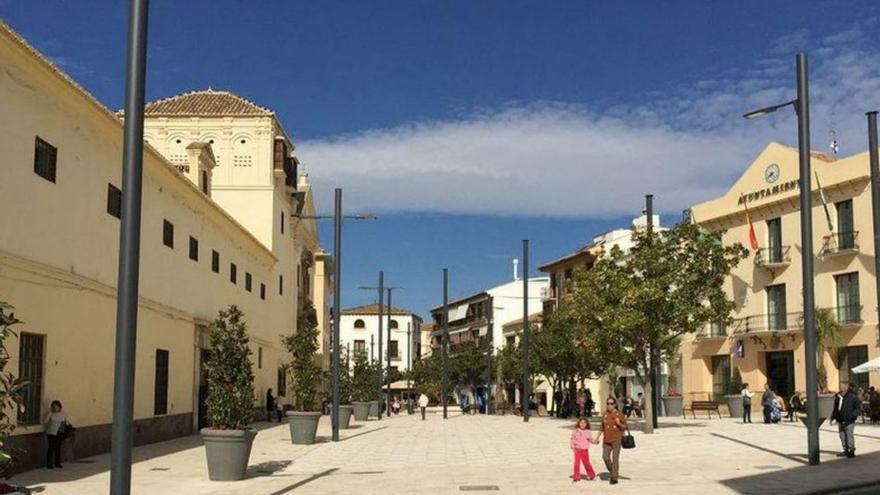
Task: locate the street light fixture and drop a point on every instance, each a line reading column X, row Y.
column 337, row 217
column 802, row 107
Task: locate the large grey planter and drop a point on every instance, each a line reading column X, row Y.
column 303, row 426
column 735, row 405
column 361, row 410
column 374, row 409
column 826, row 405
column 345, row 416
column 672, row 405
column 228, row 452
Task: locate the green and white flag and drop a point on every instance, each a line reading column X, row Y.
column 824, row 203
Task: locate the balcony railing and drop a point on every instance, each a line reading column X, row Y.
column 713, row 330
column 849, row 315
column 773, row 257
column 840, row 243
column 772, row 322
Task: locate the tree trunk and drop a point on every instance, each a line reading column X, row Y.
column 649, row 406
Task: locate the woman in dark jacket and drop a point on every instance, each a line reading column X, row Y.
column 270, row 405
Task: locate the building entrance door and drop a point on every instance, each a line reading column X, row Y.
column 780, row 373
column 203, row 389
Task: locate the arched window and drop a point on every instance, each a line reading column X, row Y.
column 393, row 324
column 359, row 323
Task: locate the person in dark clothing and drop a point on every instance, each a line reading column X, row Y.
column 846, row 411
column 270, row 405
column 767, row 399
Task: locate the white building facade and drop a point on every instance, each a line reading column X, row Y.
column 359, row 332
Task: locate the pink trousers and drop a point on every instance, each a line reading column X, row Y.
column 582, row 457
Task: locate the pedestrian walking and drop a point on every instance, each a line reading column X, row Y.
column 589, row 403
column 767, row 401
column 57, row 427
column 747, row 403
column 846, row 412
column 423, row 404
column 580, row 441
column 613, row 424
column 271, row 405
column 581, row 403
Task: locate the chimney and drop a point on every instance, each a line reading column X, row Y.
column 515, row 269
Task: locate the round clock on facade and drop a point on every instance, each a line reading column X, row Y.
column 772, row 173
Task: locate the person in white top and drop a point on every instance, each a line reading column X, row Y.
column 54, row 420
column 747, row 403
column 423, row 404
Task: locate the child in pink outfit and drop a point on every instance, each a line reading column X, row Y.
column 581, row 438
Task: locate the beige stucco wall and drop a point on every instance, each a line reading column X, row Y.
column 58, row 251
column 841, row 179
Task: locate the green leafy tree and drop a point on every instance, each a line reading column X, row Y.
column 11, row 401
column 470, row 366
column 634, row 309
column 302, row 346
column 735, row 386
column 363, row 379
column 230, row 398
column 426, row 375
column 828, row 337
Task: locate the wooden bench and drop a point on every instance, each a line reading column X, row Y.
column 702, row 405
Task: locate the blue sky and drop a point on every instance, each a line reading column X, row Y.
column 470, row 125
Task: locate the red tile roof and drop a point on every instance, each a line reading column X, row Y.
column 208, row 102
column 373, row 309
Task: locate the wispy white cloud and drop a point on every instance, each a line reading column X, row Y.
column 564, row 160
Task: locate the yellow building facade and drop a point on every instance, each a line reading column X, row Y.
column 202, row 249
column 765, row 341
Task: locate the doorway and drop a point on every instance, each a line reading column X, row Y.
column 203, row 389
column 780, row 373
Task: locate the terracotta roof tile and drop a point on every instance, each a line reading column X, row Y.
column 373, row 309
column 208, row 102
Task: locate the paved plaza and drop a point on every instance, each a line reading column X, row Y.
column 493, row 454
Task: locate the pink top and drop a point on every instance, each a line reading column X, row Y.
column 580, row 439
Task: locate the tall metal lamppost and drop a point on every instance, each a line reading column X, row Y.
column 654, row 352
column 388, row 353
column 875, row 195
column 444, row 344
column 129, row 250
column 525, row 338
column 801, row 105
column 338, row 218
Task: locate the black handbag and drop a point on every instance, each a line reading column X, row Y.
column 628, row 441
column 65, row 430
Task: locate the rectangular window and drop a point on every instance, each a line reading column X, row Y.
column 114, row 201
column 168, row 233
column 849, row 309
column 215, row 261
column 259, row 357
column 233, row 273
column 160, row 392
column 850, row 357
column 846, row 237
column 193, row 248
column 45, row 160
column 720, row 375
column 282, row 382
column 30, row 369
column 774, row 240
column 776, row 316
column 281, row 285
column 360, row 346
column 247, row 281
column 263, row 291
column 393, row 350
column 282, row 222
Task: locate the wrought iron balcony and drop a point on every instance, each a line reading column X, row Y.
column 773, row 322
column 773, row 257
column 840, row 243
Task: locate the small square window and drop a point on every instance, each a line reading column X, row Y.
column 263, row 291
column 233, row 273
column 259, row 357
column 281, row 285
column 114, row 201
column 45, row 160
column 215, row 261
column 168, row 233
column 247, row 281
column 193, row 248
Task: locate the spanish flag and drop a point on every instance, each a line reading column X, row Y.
column 753, row 239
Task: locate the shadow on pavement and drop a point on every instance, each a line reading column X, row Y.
column 362, row 433
column 298, row 484
column 90, row 466
column 812, row 480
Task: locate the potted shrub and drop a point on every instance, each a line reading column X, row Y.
column 362, row 387
column 827, row 330
column 230, row 400
column 734, row 395
column 302, row 347
column 345, row 407
column 672, row 398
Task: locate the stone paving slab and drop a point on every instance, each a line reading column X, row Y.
column 484, row 455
